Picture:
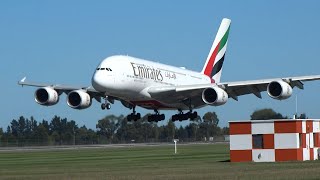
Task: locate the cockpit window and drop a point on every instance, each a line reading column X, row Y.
column 108, row 69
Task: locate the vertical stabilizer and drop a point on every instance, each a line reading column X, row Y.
column 214, row 62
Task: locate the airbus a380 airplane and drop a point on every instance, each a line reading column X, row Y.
column 137, row 82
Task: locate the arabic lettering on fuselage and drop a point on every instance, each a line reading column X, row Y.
column 170, row 75
column 143, row 71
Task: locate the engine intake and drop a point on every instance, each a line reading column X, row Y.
column 78, row 99
column 46, row 96
column 214, row 96
column 279, row 90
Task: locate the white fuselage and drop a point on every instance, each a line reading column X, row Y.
column 129, row 79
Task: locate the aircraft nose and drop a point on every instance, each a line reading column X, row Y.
column 97, row 82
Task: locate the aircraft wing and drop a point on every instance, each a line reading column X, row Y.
column 193, row 93
column 63, row 88
column 239, row 88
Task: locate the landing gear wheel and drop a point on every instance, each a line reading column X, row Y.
column 138, row 116
column 134, row 116
column 103, row 106
column 108, row 106
column 193, row 116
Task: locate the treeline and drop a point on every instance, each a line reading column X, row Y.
column 116, row 129
column 111, row 129
column 59, row 131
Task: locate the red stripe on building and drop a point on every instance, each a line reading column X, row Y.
column 288, row 127
column 311, row 154
column 309, row 126
column 303, row 140
column 288, row 154
column 240, row 155
column 240, row 128
column 268, row 141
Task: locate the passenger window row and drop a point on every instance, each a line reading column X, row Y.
column 108, row 69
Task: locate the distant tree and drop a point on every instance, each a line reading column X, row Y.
column 8, row 139
column 92, row 137
column 263, row 114
column 22, row 125
column 146, row 128
column 211, row 118
column 42, row 135
column 182, row 133
column 55, row 138
column 302, row 116
column 171, row 128
column 8, row 130
column 194, row 128
column 14, row 128
column 61, row 130
column 1, row 133
column 209, row 127
column 122, row 131
column 46, row 126
column 163, row 133
column 108, row 126
column 30, row 129
column 225, row 131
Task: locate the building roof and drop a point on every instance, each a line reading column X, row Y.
column 273, row 120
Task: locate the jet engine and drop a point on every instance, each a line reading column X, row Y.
column 46, row 96
column 214, row 96
column 279, row 90
column 78, row 99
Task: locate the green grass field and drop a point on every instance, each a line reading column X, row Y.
column 206, row 161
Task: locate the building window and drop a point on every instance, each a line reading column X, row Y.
column 300, row 140
column 257, row 141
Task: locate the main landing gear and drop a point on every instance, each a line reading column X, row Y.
column 156, row 117
column 134, row 116
column 181, row 116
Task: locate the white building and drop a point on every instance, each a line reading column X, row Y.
column 274, row 140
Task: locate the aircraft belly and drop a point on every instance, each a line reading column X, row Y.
column 155, row 104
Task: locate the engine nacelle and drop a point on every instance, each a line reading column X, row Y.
column 46, row 96
column 78, row 99
column 279, row 90
column 214, row 96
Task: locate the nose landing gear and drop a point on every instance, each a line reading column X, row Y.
column 107, row 105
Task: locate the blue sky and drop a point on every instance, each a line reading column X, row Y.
column 63, row 42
